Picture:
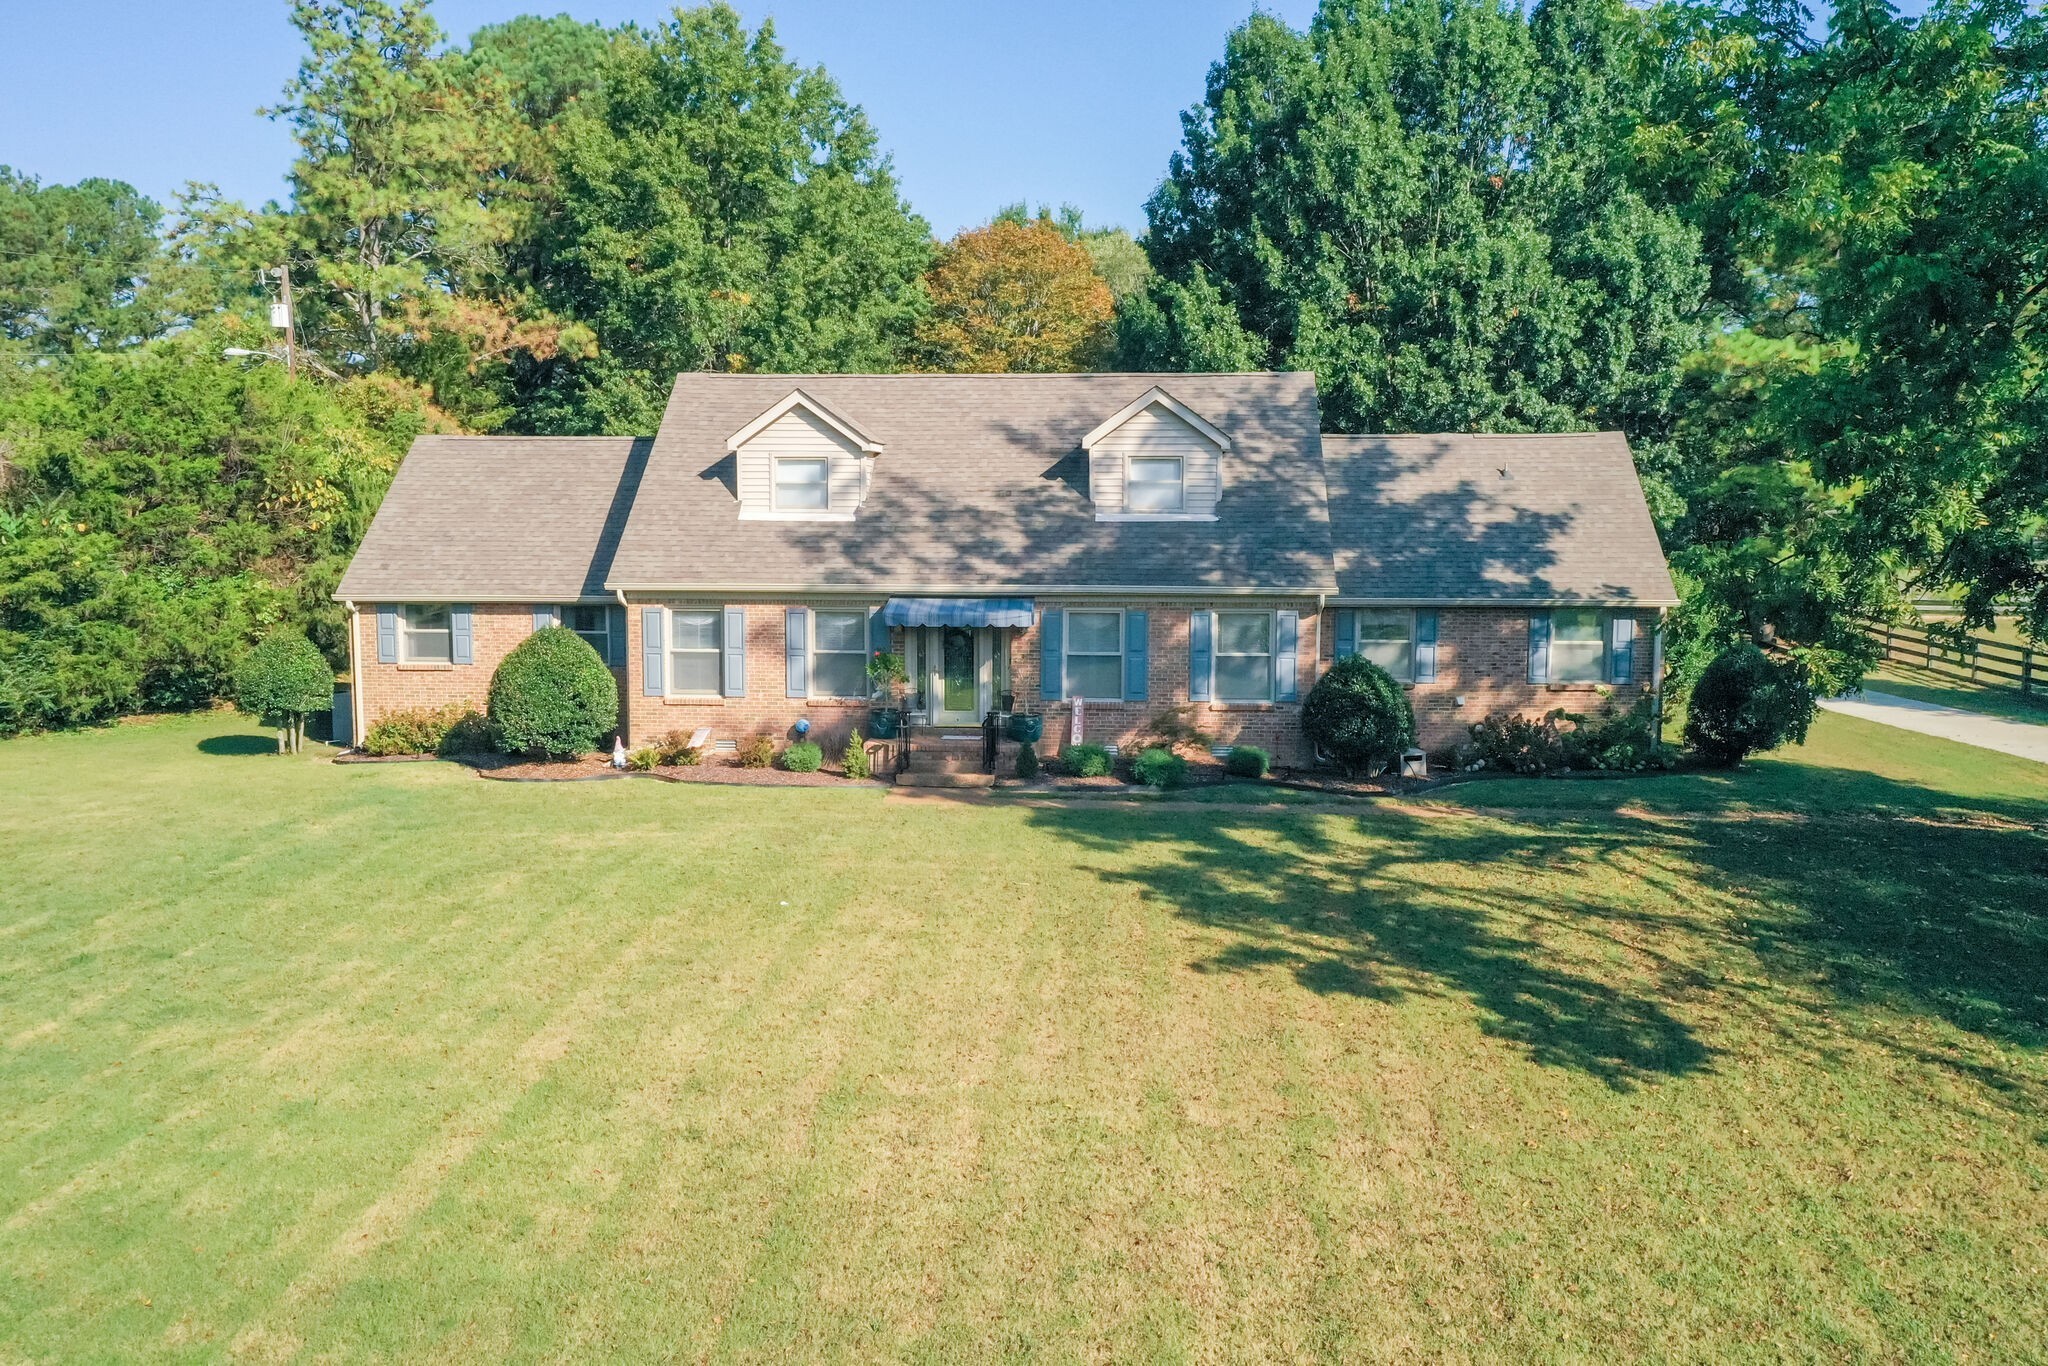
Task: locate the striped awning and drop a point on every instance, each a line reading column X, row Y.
column 958, row 612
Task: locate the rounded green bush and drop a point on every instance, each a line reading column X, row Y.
column 284, row 676
column 803, row 757
column 1746, row 703
column 1085, row 761
column 1358, row 715
column 1027, row 762
column 1160, row 768
column 1247, row 761
column 553, row 695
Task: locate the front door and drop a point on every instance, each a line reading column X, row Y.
column 958, row 689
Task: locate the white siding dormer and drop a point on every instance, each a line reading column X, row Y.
column 801, row 462
column 1157, row 460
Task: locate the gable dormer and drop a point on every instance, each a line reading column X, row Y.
column 1155, row 460
column 801, row 462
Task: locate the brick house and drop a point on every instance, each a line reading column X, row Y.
column 1161, row 547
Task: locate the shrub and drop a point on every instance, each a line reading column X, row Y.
column 1175, row 729
column 803, row 757
column 1085, row 761
column 645, row 758
column 1613, row 740
column 472, row 733
column 285, row 678
column 553, row 695
column 757, row 751
column 1746, row 703
column 1027, row 762
column 1358, row 715
column 1509, row 743
column 855, row 760
column 424, row 730
column 1161, row 768
column 673, row 750
column 1247, row 761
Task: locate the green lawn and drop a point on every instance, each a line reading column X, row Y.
column 1922, row 686
column 387, row 1061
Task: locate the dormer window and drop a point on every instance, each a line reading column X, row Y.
column 1155, row 484
column 803, row 485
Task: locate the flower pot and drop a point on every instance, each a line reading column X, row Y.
column 884, row 723
column 1025, row 728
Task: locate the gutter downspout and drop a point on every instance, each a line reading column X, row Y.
column 1657, row 675
column 355, row 677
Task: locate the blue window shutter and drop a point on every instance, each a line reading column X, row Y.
column 1347, row 633
column 878, row 633
column 387, row 635
column 1425, row 647
column 1201, row 637
column 1137, row 655
column 796, row 650
column 1052, row 666
column 461, row 635
column 735, row 639
column 651, row 653
column 1286, row 657
column 1622, row 649
column 615, row 636
column 543, row 617
column 1539, row 648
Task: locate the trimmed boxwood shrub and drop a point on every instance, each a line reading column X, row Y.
column 1746, row 703
column 553, row 695
column 803, row 757
column 1358, row 715
column 855, row 759
column 285, row 679
column 1161, row 768
column 1027, row 762
column 453, row 729
column 1247, row 761
column 1085, row 761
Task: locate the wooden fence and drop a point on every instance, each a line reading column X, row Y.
column 1979, row 660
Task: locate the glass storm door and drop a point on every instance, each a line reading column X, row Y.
column 958, row 677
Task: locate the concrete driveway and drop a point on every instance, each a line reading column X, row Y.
column 2020, row 738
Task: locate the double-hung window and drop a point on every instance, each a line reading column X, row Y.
column 1154, row 483
column 426, row 635
column 1387, row 638
column 1578, row 645
column 1244, row 656
column 1095, row 655
column 839, row 654
column 803, row 485
column 593, row 624
column 693, row 641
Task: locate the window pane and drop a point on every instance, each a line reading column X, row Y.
column 802, row 484
column 1391, row 655
column 1244, row 678
column 1577, row 623
column 1098, row 676
column 1383, row 626
column 693, row 630
column 1573, row 661
column 583, row 620
column 842, row 631
column 695, row 670
column 839, row 675
column 1092, row 633
column 1244, row 633
column 428, row 647
column 427, row 618
column 1154, row 485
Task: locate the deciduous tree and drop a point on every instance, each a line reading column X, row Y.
column 1015, row 296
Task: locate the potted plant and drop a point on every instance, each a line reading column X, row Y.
column 1025, row 727
column 887, row 674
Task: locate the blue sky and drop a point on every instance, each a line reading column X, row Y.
column 982, row 102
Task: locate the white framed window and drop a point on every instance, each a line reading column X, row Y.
column 1155, row 483
column 839, row 654
column 1578, row 645
column 693, row 651
column 803, row 485
column 426, row 634
column 1387, row 638
column 1244, row 656
column 1094, row 646
column 593, row 624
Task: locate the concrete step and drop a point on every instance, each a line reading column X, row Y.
column 930, row 778
column 933, row 761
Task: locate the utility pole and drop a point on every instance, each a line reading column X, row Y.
column 291, row 320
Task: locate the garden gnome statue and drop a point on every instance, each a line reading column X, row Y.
column 618, row 752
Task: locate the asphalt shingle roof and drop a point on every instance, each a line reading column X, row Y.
column 1493, row 519
column 982, row 484
column 513, row 518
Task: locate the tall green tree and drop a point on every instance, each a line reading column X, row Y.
column 79, row 265
column 1417, row 199
column 719, row 208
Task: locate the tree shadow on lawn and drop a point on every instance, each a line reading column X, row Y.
column 238, row 745
column 1621, row 943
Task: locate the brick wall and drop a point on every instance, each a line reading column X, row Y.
column 495, row 629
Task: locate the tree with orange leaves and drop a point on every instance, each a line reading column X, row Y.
column 1015, row 297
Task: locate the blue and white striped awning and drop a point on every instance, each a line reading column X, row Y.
column 958, row 612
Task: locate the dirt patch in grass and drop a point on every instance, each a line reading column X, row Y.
column 597, row 768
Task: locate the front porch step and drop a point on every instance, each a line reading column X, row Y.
column 918, row 777
column 945, row 761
